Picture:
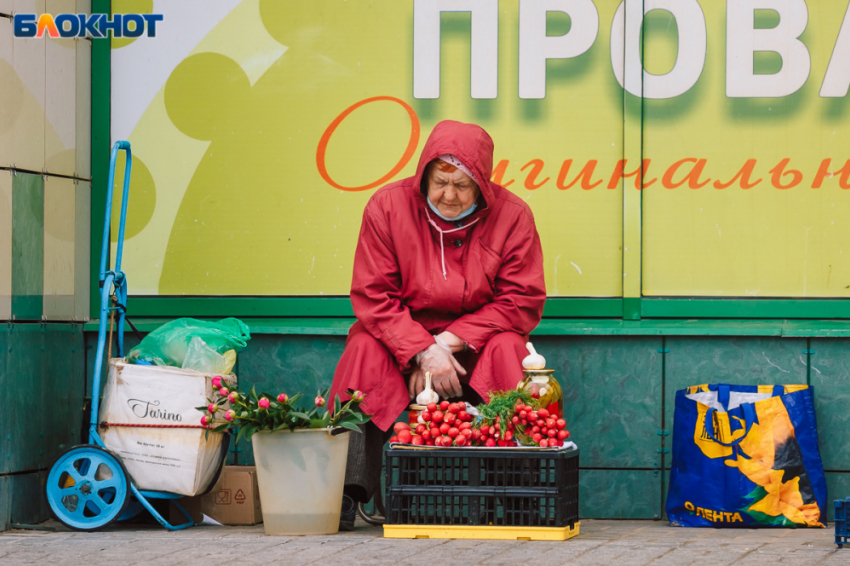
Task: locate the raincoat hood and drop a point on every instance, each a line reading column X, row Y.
column 469, row 143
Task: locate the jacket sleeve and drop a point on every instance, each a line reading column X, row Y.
column 520, row 293
column 376, row 291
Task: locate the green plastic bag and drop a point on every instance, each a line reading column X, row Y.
column 168, row 344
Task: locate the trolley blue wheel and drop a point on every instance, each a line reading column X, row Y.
column 87, row 487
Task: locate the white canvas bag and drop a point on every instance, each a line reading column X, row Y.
column 153, row 426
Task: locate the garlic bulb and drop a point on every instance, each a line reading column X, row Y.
column 533, row 360
column 427, row 395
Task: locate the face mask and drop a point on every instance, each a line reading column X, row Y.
column 460, row 216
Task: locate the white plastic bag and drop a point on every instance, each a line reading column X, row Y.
column 202, row 358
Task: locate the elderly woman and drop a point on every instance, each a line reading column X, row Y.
column 448, row 279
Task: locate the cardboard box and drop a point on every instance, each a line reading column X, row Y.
column 234, row 500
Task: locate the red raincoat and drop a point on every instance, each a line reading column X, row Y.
column 484, row 285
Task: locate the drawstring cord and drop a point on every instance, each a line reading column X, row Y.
column 443, row 232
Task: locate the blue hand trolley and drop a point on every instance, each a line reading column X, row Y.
column 88, row 486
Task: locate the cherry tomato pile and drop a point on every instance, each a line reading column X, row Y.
column 448, row 424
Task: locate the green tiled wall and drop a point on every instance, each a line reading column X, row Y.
column 42, row 375
column 27, row 246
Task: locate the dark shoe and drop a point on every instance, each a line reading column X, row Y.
column 347, row 514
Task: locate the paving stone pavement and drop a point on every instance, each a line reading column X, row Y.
column 623, row 543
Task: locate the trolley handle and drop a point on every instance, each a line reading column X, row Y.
column 119, row 145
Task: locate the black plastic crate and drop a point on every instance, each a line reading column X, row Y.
column 842, row 522
column 482, row 487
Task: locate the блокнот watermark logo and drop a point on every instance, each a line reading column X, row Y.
column 86, row 25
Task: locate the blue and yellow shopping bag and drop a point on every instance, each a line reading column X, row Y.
column 746, row 456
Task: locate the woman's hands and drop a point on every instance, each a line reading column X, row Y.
column 444, row 370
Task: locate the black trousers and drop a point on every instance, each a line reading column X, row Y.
column 366, row 455
column 365, row 462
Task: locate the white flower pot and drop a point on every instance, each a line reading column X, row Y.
column 301, row 476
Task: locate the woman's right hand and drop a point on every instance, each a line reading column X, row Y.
column 444, row 369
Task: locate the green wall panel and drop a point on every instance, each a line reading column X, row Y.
column 829, row 377
column 302, row 364
column 612, row 396
column 742, row 361
column 5, row 501
column 43, row 379
column 619, row 494
column 64, row 378
column 27, row 501
column 837, row 487
column 25, row 374
column 6, row 384
column 27, row 246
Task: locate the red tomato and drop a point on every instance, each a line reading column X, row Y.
column 563, row 435
column 544, row 431
column 476, row 434
column 444, row 405
column 431, row 407
column 455, row 408
column 503, row 443
column 426, row 435
column 464, row 426
column 561, row 424
column 490, row 443
column 492, row 430
column 466, row 432
column 555, row 442
column 537, row 437
column 523, row 422
column 552, row 433
column 418, row 441
column 544, row 443
column 398, row 427
column 532, row 416
column 515, row 420
column 550, row 423
column 523, row 414
column 453, row 432
column 450, row 418
column 444, row 428
column 429, row 442
column 509, row 435
column 542, row 413
column 568, row 433
column 426, row 416
column 435, row 432
column 460, row 440
column 535, row 428
column 541, row 423
column 463, row 415
column 437, row 417
column 394, row 439
column 405, row 437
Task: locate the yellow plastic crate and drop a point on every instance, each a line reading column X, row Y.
column 480, row 532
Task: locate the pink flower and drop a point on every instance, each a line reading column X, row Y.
column 228, row 416
column 282, row 398
column 205, row 421
column 358, row 396
column 263, row 403
column 216, row 382
column 320, row 401
column 212, row 408
column 233, row 397
column 223, row 391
